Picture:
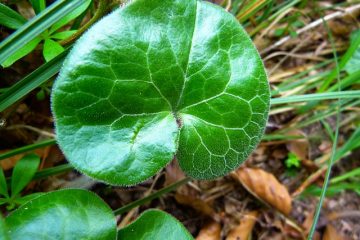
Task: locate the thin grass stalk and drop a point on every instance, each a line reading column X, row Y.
column 334, row 146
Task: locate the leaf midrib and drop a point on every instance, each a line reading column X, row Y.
column 188, row 60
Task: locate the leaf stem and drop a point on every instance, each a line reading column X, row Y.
column 100, row 12
column 27, row 148
column 153, row 196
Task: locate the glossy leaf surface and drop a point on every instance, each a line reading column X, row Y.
column 3, row 230
column 154, row 224
column 65, row 214
column 156, row 79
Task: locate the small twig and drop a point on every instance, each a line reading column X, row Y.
column 228, row 5
column 31, row 128
column 310, row 180
column 277, row 19
column 343, row 214
column 102, row 9
column 288, row 55
column 312, row 25
column 294, row 55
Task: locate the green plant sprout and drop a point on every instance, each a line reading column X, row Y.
column 49, row 37
column 292, row 161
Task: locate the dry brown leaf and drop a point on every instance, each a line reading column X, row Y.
column 210, row 231
column 265, row 187
column 332, row 234
column 245, row 227
column 10, row 162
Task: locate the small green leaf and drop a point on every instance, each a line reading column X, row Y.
column 63, row 35
column 38, row 5
column 279, row 32
column 298, row 24
column 9, row 18
column 35, row 26
column 51, row 49
column 25, row 50
column 3, row 185
column 155, row 224
column 180, row 78
column 23, row 172
column 67, row 18
column 64, row 214
column 293, row 33
column 40, row 95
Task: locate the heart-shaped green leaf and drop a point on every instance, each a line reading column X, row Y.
column 155, row 224
column 64, row 214
column 156, row 79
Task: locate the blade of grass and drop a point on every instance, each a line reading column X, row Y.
column 10, row 18
column 353, row 173
column 316, row 96
column 321, row 115
column 344, row 60
column 31, row 81
column 296, row 81
column 313, row 190
column 336, row 136
column 279, row 9
column 272, row 137
column 251, row 8
column 352, row 143
column 27, row 148
column 36, row 26
column 347, row 81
